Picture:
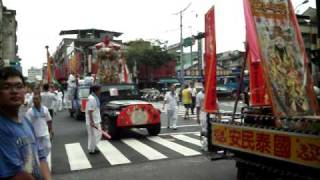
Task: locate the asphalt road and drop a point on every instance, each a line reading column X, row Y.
column 173, row 154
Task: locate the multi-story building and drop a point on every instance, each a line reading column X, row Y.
column 308, row 26
column 34, row 74
column 230, row 63
column 8, row 37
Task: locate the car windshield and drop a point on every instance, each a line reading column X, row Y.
column 120, row 90
column 84, row 92
column 221, row 88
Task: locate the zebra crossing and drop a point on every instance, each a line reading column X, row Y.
column 181, row 110
column 112, row 153
column 225, row 107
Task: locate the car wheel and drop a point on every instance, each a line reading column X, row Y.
column 154, row 130
column 111, row 127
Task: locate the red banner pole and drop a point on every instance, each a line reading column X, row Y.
column 210, row 101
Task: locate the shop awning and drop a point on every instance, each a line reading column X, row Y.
column 168, row 80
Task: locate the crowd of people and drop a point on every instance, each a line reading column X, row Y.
column 26, row 132
column 192, row 99
column 27, row 113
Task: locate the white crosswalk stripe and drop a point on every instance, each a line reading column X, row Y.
column 76, row 156
column 187, row 139
column 143, row 149
column 197, row 133
column 115, row 153
column 174, row 146
column 112, row 154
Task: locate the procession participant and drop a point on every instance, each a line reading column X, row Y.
column 48, row 99
column 199, row 104
column 193, row 91
column 41, row 121
column 171, row 100
column 186, row 100
column 93, row 119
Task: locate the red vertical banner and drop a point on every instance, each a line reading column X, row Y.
column 49, row 62
column 258, row 92
column 276, row 44
column 210, row 101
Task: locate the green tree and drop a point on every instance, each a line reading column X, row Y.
column 144, row 52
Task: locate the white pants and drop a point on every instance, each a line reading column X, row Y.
column 203, row 121
column 94, row 137
column 45, row 143
column 172, row 115
column 204, row 130
column 59, row 104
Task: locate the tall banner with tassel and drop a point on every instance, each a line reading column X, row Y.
column 50, row 66
column 283, row 57
column 210, row 100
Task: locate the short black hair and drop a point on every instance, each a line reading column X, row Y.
column 95, row 88
column 46, row 87
column 7, row 72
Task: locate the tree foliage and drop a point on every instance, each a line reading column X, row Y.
column 144, row 52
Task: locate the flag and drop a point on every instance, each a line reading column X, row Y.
column 258, row 93
column 280, row 50
column 49, row 74
column 50, row 66
column 210, row 100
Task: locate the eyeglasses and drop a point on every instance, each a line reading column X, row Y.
column 9, row 86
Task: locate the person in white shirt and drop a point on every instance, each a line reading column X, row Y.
column 48, row 99
column 193, row 97
column 27, row 103
column 201, row 115
column 171, row 100
column 93, row 119
column 71, row 86
column 59, row 98
column 88, row 80
column 41, row 121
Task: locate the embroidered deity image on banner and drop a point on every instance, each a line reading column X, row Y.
column 283, row 57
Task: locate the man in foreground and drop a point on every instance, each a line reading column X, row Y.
column 22, row 157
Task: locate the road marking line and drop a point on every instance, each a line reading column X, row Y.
column 187, row 139
column 49, row 160
column 144, row 149
column 77, row 158
column 174, row 146
column 192, row 132
column 196, row 134
column 190, row 125
column 112, row 154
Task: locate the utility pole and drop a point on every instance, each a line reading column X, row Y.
column 318, row 22
column 199, row 37
column 181, row 44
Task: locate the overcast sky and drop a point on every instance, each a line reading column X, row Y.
column 40, row 21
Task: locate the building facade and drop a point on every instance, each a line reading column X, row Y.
column 308, row 26
column 8, row 38
column 34, row 74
